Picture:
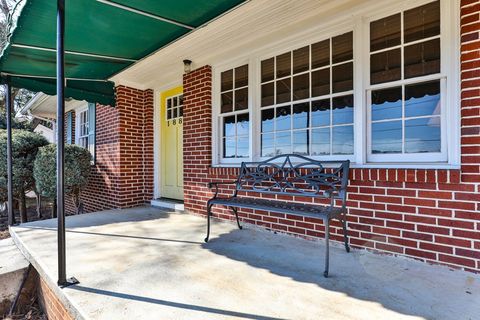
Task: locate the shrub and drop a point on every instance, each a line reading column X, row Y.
column 76, row 173
column 25, row 145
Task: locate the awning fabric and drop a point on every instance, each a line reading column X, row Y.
column 102, row 37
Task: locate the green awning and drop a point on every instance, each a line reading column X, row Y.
column 102, row 37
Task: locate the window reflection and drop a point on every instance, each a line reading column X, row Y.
column 267, row 120
column 422, row 99
column 283, row 143
column 342, row 140
column 300, row 142
column 283, row 118
column 342, row 109
column 321, row 142
column 268, row 146
column 321, row 113
column 387, row 137
column 387, row 104
column 300, row 115
column 422, row 135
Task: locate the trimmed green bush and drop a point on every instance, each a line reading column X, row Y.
column 77, row 172
column 25, row 145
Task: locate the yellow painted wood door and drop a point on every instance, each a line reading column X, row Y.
column 172, row 143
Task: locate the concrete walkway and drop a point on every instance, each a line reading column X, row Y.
column 145, row 263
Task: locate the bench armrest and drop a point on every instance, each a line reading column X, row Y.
column 215, row 184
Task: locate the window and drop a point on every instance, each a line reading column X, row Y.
column 85, row 128
column 234, row 116
column 82, row 140
column 375, row 88
column 406, row 85
column 307, row 100
column 174, row 107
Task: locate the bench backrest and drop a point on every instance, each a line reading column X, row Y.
column 295, row 175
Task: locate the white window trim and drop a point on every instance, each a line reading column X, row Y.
column 356, row 20
column 78, row 111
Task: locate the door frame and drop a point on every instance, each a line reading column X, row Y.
column 157, row 139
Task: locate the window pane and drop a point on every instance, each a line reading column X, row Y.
column 283, row 90
column 267, row 145
column 321, row 113
column 387, row 137
column 283, row 143
column 243, row 124
column 301, row 59
column 283, row 65
column 229, row 147
column 422, row 22
column 387, row 104
column 175, row 101
column 342, row 47
column 267, row 120
column 181, row 100
column 283, row 118
column 321, row 54
column 385, row 33
column 342, row 77
column 175, row 113
column 243, row 148
column 241, row 99
column 385, row 66
column 227, row 80
column 229, row 126
column 422, row 99
column 321, row 82
column 267, row 94
column 300, row 115
column 169, row 114
column 422, row 58
column 342, row 140
column 422, row 135
column 241, row 76
column 169, row 103
column 320, row 141
column 300, row 142
column 301, row 86
column 267, row 69
column 342, row 109
column 227, row 102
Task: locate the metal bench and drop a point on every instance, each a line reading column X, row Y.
column 289, row 175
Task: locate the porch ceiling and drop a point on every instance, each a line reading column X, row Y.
column 146, row 263
column 102, row 37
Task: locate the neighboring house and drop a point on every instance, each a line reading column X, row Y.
column 47, row 132
column 390, row 85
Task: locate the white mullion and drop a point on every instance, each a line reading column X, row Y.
column 331, row 96
column 402, row 76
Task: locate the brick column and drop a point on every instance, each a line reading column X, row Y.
column 470, row 107
column 197, row 137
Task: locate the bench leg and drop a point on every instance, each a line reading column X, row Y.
column 209, row 213
column 327, row 253
column 236, row 216
column 345, row 233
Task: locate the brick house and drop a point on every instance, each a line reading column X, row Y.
column 392, row 86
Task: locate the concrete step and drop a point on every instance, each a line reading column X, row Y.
column 12, row 270
column 176, row 205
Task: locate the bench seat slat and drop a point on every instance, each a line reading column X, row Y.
column 299, row 209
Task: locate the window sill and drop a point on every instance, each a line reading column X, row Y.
column 399, row 165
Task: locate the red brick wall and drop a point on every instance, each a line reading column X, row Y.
column 123, row 172
column 51, row 305
column 431, row 215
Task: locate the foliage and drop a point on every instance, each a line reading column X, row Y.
column 76, row 174
column 25, row 145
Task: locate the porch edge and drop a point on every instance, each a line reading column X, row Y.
column 58, row 293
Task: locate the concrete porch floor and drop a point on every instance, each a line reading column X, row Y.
column 147, row 263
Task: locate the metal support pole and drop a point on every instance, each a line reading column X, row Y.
column 11, row 215
column 62, row 278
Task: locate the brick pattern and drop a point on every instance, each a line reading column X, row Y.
column 51, row 305
column 123, row 172
column 430, row 215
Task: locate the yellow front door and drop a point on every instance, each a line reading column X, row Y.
column 171, row 111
